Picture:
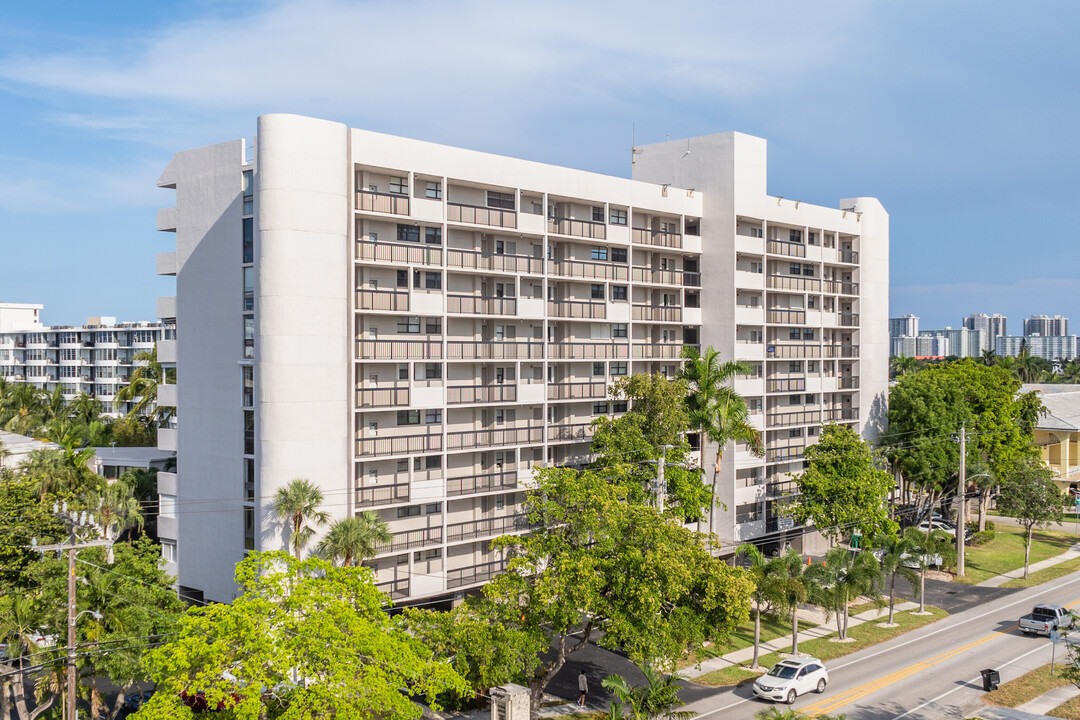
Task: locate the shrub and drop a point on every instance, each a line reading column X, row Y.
column 981, row 538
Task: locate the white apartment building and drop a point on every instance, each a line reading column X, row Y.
column 1046, row 325
column 96, row 358
column 993, row 326
column 962, row 342
column 904, row 326
column 416, row 327
column 1053, row 347
column 923, row 346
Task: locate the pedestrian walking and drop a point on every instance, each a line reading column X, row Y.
column 583, row 686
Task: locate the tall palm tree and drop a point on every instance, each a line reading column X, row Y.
column 45, row 468
column 355, row 538
column 841, row 578
column 793, row 590
column 142, row 387
column 767, row 574
column 655, row 700
column 297, row 503
column 989, row 357
column 118, row 510
column 896, row 551
column 729, row 421
column 903, row 365
column 929, row 546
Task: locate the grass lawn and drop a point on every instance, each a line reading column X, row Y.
column 1046, row 574
column 864, row 635
column 1070, row 710
column 772, row 627
column 1005, row 552
column 1026, row 687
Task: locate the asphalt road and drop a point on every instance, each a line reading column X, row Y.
column 929, row 673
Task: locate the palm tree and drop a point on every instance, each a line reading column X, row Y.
column 4, row 453
column 45, row 468
column 895, row 552
column 903, row 365
column 929, row 546
column 355, row 538
column 989, row 357
column 792, row 589
column 118, row 510
column 20, row 618
column 841, row 578
column 296, row 504
column 142, row 387
column 84, row 409
column 655, row 700
column 768, row 587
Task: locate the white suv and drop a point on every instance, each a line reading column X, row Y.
column 790, row 678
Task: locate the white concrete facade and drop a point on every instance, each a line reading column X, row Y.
column 424, row 325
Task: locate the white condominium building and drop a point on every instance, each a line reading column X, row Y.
column 416, row 327
column 1046, row 325
column 904, row 326
column 962, row 342
column 993, row 326
column 1053, row 347
column 96, row 358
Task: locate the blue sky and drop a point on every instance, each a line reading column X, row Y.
column 960, row 117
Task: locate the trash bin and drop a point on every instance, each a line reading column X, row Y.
column 991, row 678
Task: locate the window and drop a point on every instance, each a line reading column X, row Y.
column 598, row 214
column 408, row 233
column 410, row 511
column 598, row 368
column 434, row 190
column 427, row 280
column 808, row 270
column 794, row 399
column 433, row 236
column 618, row 217
column 428, row 371
column 811, row 302
column 619, row 406
column 500, row 247
column 503, row 201
column 809, row 399
column 500, row 416
column 249, row 432
column 433, row 462
column 432, row 508
column 794, row 366
column 755, row 232
column 408, row 417
column 746, row 513
column 408, row 325
column 793, row 268
column 794, row 333
column 618, row 255
column 433, row 554
column 794, row 433
column 403, row 371
column 249, row 288
column 599, row 253
column 432, row 417
column 433, row 326
column 168, row 551
column 249, row 386
column 808, row 333
column 812, row 238
column 600, row 408
column 618, row 330
column 795, row 236
column 618, row 369
column 399, row 185
column 597, row 292
column 811, row 366
column 166, row 506
column 403, row 278
column 403, row 466
column 618, row 292
column 249, row 240
column 249, row 192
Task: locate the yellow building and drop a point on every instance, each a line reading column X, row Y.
column 1058, row 432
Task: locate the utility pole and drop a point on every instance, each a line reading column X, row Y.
column 661, row 488
column 961, row 519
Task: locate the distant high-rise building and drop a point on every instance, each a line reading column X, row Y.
column 922, row 346
column 993, row 326
column 962, row 341
column 1052, row 347
column 1046, row 326
column 903, row 326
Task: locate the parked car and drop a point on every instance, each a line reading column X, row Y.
column 790, row 678
column 1044, row 619
column 946, row 526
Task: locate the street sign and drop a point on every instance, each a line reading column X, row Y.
column 1054, row 635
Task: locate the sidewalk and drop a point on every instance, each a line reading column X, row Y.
column 783, row 643
column 1000, row 580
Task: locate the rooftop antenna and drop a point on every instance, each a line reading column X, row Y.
column 634, row 150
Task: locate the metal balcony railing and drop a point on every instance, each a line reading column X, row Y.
column 786, row 317
column 494, row 350
column 788, row 249
column 577, row 390
column 786, row 385
column 781, row 352
column 410, row 539
column 382, row 494
column 587, row 351
column 474, row 260
column 398, row 445
column 396, row 589
column 849, row 256
column 588, row 269
column 472, row 484
column 382, row 397
column 849, row 319
column 382, row 202
column 784, row 454
column 792, row 282
column 657, row 313
column 368, row 299
column 578, row 228
column 841, row 351
column 495, row 437
column 663, row 277
column 398, row 252
column 644, row 236
column 585, row 309
column 841, row 287
column 477, row 215
column 487, row 527
column 460, row 577
column 838, row 414
column 657, row 351
column 800, row 417
column 398, row 350
column 481, row 305
column 572, row 432
column 467, row 394
column 847, row 382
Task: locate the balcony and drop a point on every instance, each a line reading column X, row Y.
column 657, row 313
column 784, row 454
column 578, row 228
column 477, row 215
column 410, row 539
column 369, row 201
column 496, row 437
column 799, row 417
column 577, row 390
column 480, row 305
column 396, row 589
column 388, row 300
column 644, row 236
column 460, row 577
column 841, row 287
column 500, row 262
column 841, row 351
column 585, row 309
column 848, row 382
column 398, row 252
column 786, row 385
column 382, row 397
column 570, row 432
column 849, row 256
column 473, row 484
column 587, row 351
column 494, row 350
column 587, row 269
column 788, row 249
column 786, row 317
column 382, row 495
column 849, row 319
column 398, row 445
column 657, row 351
column 398, row 350
column 840, row 414
column 470, row 394
column 488, row 527
column 783, row 352
column 792, row 282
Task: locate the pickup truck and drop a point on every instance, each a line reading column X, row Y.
column 1044, row 619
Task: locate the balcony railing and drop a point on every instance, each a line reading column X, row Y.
column 382, row 397
column 792, row 282
column 657, row 313
column 783, row 247
column 849, row 319
column 657, row 351
column 382, row 494
column 781, row 352
column 837, row 414
column 494, row 350
column 474, row 260
column 495, row 437
column 644, row 236
column 467, row 394
column 783, row 454
column 382, row 202
column 477, row 215
column 472, row 484
column 481, row 305
column 587, row 309
column 841, row 351
column 786, row 317
column 841, row 287
column 587, row 351
column 488, row 527
column 460, row 577
column 574, row 432
column 396, row 589
column 398, row 350
column 398, row 445
column 367, row 299
column 786, row 385
column 577, row 390
column 800, row 417
column 398, row 252
column 409, row 539
column 847, row 382
column 587, row 269
column 578, row 228
column 849, row 256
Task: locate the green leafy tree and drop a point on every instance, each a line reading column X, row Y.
column 842, row 489
column 768, row 596
column 794, row 590
column 23, row 518
column 297, row 620
column 927, row 547
column 20, row 623
column 133, row 431
column 5, row 453
column 655, row 700
column 355, row 538
column 775, row 713
column 1030, row 496
column 840, row 578
column 297, row 504
column 895, row 552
